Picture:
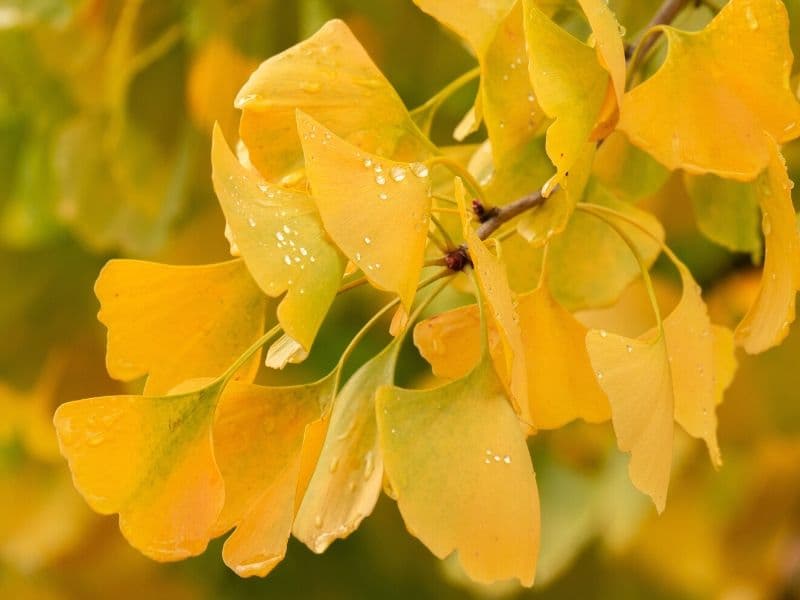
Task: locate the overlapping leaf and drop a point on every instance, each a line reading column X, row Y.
column 258, row 436
column 346, row 482
column 666, row 375
column 280, row 236
column 330, row 77
column 371, row 207
column 178, row 322
column 570, row 84
column 706, row 113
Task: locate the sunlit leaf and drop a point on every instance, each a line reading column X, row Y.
column 150, row 459
column 705, row 112
column 370, row 206
column 178, row 322
column 258, row 435
column 330, row 77
column 279, row 234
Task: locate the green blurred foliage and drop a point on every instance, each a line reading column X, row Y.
column 105, row 114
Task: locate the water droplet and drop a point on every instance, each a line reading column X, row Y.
column 398, row 173
column 383, row 196
column 286, row 229
column 287, row 259
column 380, row 179
column 251, row 221
column 280, row 236
column 419, row 169
column 496, row 458
column 487, row 461
column 629, row 348
column 603, row 333
column 599, row 375
column 368, row 162
column 507, row 459
column 303, row 251
column 367, row 240
column 358, row 256
column 531, row 98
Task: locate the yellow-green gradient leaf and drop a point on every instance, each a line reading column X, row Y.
column 258, row 436
column 331, row 77
column 718, row 92
column 570, row 85
column 767, row 321
column 178, row 322
column 346, row 482
column 280, row 236
column 375, row 210
column 150, row 459
column 457, row 461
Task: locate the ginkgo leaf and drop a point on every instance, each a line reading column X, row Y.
column 627, row 171
column 561, row 382
column 330, row 77
column 589, row 265
column 370, row 206
column 458, row 465
column 570, row 84
column 150, row 459
column 767, row 321
column 496, row 292
column 346, row 482
column 608, row 42
column 726, row 212
column 280, row 236
column 663, row 376
column 178, row 322
column 258, row 436
column 705, row 113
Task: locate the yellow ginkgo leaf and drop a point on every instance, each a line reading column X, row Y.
column 561, row 382
column 665, row 375
column 371, row 207
column 331, row 77
column 150, row 459
column 767, row 321
column 570, row 84
column 706, row 113
column 346, row 481
column 280, row 236
column 459, row 467
column 258, row 436
column 496, row 292
column 608, row 42
column 178, row 322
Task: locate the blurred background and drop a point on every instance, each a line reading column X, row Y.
column 106, row 108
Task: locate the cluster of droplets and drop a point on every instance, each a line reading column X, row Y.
column 491, row 457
